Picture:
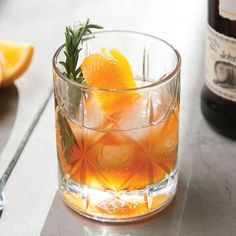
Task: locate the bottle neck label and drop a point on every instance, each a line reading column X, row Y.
column 227, row 9
column 220, row 64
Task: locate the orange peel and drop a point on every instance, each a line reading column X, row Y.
column 112, row 71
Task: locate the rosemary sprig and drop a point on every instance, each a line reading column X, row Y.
column 73, row 43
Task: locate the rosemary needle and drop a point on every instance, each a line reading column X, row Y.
column 73, row 46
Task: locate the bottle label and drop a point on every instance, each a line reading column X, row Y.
column 227, row 9
column 220, row 64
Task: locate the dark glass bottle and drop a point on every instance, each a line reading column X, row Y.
column 218, row 97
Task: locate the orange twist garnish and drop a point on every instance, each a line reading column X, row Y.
column 110, row 71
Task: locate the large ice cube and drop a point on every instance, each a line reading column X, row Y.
column 150, row 109
column 114, row 157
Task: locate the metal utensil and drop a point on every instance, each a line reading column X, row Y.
column 17, row 154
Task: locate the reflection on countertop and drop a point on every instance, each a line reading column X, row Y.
column 8, row 109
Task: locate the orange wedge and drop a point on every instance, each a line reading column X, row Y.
column 110, row 71
column 15, row 60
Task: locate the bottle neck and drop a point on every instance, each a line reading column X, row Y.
column 219, row 23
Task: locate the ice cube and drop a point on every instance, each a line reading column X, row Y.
column 135, row 116
column 149, row 110
column 115, row 157
column 92, row 113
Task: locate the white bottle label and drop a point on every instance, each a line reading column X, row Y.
column 220, row 64
column 227, row 9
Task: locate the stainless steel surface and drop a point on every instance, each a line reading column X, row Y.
column 2, row 200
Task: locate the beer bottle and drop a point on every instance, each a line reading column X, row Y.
column 218, row 97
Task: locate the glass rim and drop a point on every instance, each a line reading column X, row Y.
column 164, row 79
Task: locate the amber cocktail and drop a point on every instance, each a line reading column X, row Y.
column 117, row 148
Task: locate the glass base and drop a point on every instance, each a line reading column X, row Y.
column 123, row 206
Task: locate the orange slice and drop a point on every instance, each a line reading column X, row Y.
column 15, row 60
column 110, row 71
